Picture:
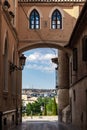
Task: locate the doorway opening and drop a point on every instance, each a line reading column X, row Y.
column 39, row 92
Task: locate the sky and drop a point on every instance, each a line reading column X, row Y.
column 39, row 71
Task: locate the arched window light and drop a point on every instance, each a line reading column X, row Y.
column 56, row 21
column 34, row 20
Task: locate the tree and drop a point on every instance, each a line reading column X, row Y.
column 45, row 110
column 41, row 101
column 36, row 108
column 28, row 109
column 49, row 107
column 54, row 107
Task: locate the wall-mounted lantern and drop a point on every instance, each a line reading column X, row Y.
column 6, row 4
column 22, row 60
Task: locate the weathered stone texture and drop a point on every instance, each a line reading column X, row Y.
column 79, row 103
column 63, row 70
column 63, row 98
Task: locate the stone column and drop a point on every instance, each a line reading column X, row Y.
column 63, row 87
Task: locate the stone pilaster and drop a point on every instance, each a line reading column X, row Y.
column 63, row 87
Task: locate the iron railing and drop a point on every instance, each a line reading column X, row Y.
column 48, row 1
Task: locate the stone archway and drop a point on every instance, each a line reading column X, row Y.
column 27, row 45
column 63, row 71
column 48, row 37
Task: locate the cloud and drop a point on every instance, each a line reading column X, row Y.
column 33, row 57
column 40, row 61
column 43, row 68
column 37, row 56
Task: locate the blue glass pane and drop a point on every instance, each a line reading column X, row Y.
column 53, row 22
column 54, row 18
column 32, row 17
column 57, row 13
column 54, row 26
column 32, row 13
column 58, row 26
column 32, row 26
column 37, row 26
column 37, row 18
column 37, row 22
column 59, row 17
column 54, row 13
column 58, row 22
column 32, row 22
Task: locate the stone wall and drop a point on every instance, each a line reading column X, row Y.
column 78, row 95
column 45, row 36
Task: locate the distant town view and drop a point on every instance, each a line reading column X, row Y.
column 39, row 102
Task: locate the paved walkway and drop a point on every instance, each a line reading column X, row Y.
column 43, row 123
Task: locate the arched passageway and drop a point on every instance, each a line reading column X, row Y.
column 63, row 73
column 34, row 26
column 39, row 30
